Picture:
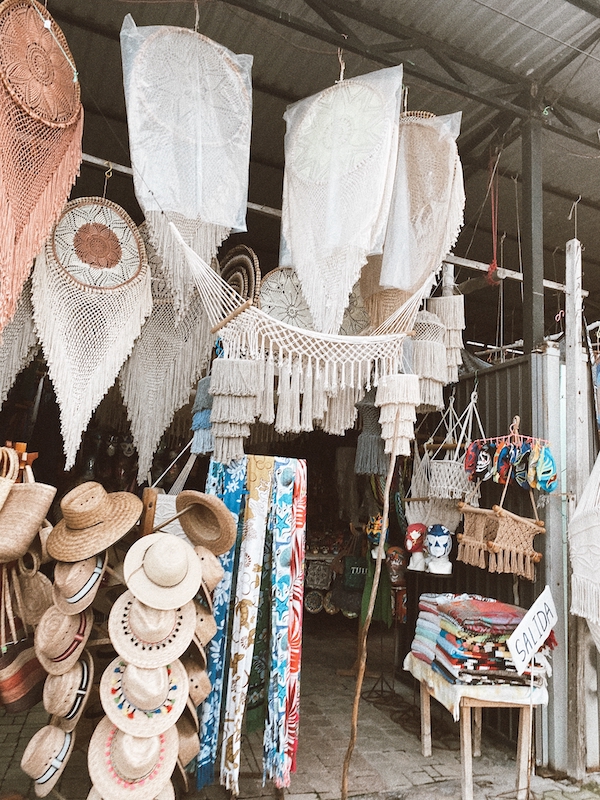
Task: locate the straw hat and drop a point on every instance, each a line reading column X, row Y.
column 191, row 714
column 162, row 571
column 65, row 696
column 92, row 521
column 46, row 756
column 150, row 637
column 189, row 741
column 143, row 702
column 212, row 571
column 198, row 652
column 123, row 766
column 36, row 596
column 166, row 793
column 209, row 523
column 21, row 515
column 76, row 584
column 206, row 627
column 60, row 639
column 199, row 682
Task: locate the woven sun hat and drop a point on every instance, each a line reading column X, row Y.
column 212, row 571
column 46, row 756
column 92, row 521
column 208, row 522
column 150, row 637
column 124, row 766
column 143, row 702
column 189, row 741
column 198, row 680
column 206, row 627
column 166, row 793
column 162, row 571
column 76, row 584
column 65, row 696
column 191, row 714
column 60, row 639
column 198, row 651
column 21, row 516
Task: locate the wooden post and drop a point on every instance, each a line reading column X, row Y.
column 425, row 719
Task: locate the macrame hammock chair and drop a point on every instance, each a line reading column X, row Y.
column 420, row 506
column 91, row 296
column 166, row 361
column 341, row 148
column 19, row 343
column 41, row 125
column 189, row 108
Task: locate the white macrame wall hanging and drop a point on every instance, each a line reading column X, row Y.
column 189, row 107
column 166, row 361
column 91, row 294
column 397, row 398
column 426, row 213
column 451, row 312
column 18, row 344
column 341, row 148
column 429, row 361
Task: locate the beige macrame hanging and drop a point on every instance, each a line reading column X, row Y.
column 91, row 295
column 429, row 361
column 41, row 125
column 19, row 343
column 165, row 364
column 397, row 397
column 451, row 312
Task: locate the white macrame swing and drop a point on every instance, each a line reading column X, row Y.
column 91, row 294
column 189, row 108
column 167, row 360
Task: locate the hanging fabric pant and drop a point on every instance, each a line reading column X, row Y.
column 282, row 524
column 229, row 484
column 260, row 476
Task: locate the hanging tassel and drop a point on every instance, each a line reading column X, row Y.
column 283, row 419
column 267, row 409
column 236, row 376
column 295, row 397
column 202, row 442
column 227, row 408
column 319, row 397
column 401, row 388
column 306, row 420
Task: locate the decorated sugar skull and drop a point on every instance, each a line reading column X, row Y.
column 438, row 541
column 415, row 537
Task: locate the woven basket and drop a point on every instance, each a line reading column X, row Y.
column 21, row 517
column 9, row 471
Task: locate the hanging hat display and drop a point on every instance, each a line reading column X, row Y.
column 91, row 295
column 60, row 639
column 165, row 363
column 66, row 695
column 93, row 520
column 46, row 757
column 41, row 125
column 76, row 584
column 19, row 342
column 208, row 522
column 340, row 157
column 189, row 103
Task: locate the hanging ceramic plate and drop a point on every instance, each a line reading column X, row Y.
column 330, row 608
column 241, row 270
column 97, row 244
column 313, row 601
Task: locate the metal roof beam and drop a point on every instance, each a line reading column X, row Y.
column 587, row 5
column 569, row 57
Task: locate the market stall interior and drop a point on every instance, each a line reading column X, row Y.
column 250, row 374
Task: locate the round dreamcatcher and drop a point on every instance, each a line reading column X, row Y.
column 241, row 270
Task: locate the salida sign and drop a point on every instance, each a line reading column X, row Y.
column 533, row 630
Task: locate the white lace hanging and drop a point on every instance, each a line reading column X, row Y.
column 451, row 312
column 165, row 364
column 91, row 294
column 426, row 213
column 340, row 159
column 189, row 108
column 18, row 343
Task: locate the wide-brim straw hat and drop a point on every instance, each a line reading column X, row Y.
column 46, row 756
column 149, row 637
column 162, row 571
column 199, row 682
column 141, row 701
column 21, row 516
column 189, row 741
column 212, row 569
column 76, row 583
column 65, row 696
column 206, row 626
column 123, row 766
column 191, row 714
column 166, row 793
column 208, row 522
column 92, row 521
column 61, row 638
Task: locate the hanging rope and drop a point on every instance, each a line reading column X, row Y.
column 491, row 277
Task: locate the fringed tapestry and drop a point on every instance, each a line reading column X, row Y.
column 41, row 125
column 19, row 343
column 91, row 296
column 167, row 360
column 341, row 148
column 189, row 108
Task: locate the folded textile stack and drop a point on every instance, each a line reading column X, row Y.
column 464, row 638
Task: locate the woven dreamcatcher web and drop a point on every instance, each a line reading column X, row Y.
column 189, row 111
column 19, row 343
column 240, row 269
column 426, row 212
column 41, row 125
column 340, row 158
column 165, row 363
column 91, row 295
